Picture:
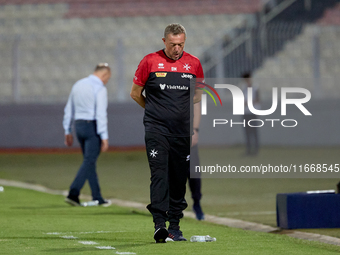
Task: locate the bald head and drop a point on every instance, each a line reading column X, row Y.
column 103, row 72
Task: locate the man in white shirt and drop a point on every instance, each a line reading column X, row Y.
column 87, row 106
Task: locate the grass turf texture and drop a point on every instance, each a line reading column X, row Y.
column 125, row 175
column 35, row 223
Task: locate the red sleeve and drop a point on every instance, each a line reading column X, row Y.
column 200, row 73
column 142, row 72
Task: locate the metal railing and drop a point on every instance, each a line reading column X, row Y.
column 244, row 37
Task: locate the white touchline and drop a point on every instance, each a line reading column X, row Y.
column 91, row 242
column 94, row 232
column 105, row 247
column 88, row 242
column 69, row 237
column 70, row 233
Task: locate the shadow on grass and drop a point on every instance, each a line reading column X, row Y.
column 132, row 212
column 38, row 207
column 59, row 206
column 84, row 211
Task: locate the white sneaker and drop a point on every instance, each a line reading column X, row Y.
column 106, row 203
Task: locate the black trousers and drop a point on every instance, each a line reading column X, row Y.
column 169, row 162
column 194, row 178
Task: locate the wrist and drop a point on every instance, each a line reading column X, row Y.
column 196, row 130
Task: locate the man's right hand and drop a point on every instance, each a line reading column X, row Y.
column 136, row 94
column 68, row 140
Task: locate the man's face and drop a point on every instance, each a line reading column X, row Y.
column 174, row 45
column 106, row 77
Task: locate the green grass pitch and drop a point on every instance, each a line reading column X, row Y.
column 37, row 223
column 125, row 175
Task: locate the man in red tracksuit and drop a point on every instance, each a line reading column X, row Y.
column 165, row 78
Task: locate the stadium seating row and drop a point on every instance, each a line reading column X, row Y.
column 11, row 11
column 137, row 25
column 296, row 61
column 54, row 52
column 120, row 8
column 331, row 17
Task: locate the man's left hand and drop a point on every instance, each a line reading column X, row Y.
column 105, row 145
column 194, row 138
column 68, row 140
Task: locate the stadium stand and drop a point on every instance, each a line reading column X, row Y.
column 318, row 42
column 86, row 9
column 120, row 8
column 331, row 17
column 298, row 47
column 52, row 43
column 59, row 41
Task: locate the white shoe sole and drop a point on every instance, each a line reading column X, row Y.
column 106, row 204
